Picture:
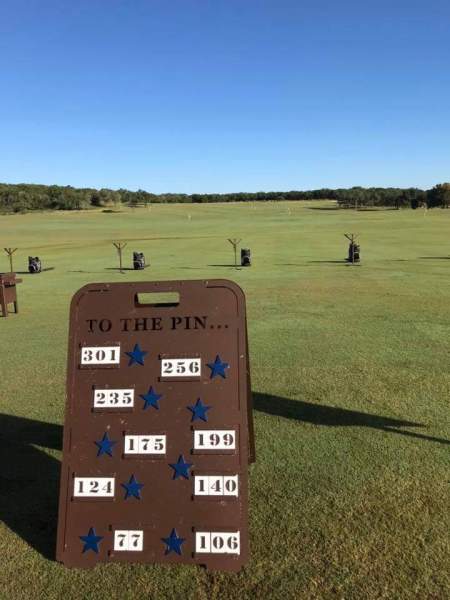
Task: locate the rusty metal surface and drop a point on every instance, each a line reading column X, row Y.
column 8, row 292
column 157, row 511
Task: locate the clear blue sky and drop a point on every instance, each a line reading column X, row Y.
column 225, row 95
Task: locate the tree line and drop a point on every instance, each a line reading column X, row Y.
column 27, row 197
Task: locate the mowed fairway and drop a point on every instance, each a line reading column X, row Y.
column 351, row 382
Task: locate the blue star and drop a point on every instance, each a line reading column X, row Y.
column 173, row 543
column 136, row 355
column 91, row 541
column 181, row 468
column 105, row 445
column 151, row 399
column 199, row 411
column 218, row 367
column 133, row 488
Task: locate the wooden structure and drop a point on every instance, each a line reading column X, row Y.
column 8, row 293
column 10, row 252
column 234, row 242
column 119, row 247
column 353, row 249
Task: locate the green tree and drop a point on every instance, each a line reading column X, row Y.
column 439, row 195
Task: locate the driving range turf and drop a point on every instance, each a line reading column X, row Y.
column 350, row 375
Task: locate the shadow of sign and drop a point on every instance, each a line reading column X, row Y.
column 330, row 416
column 126, row 268
column 330, row 262
column 42, row 271
column 434, row 257
column 29, row 480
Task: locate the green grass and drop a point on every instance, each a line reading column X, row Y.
column 350, row 371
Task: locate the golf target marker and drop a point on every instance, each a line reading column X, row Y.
column 93, row 487
column 216, row 485
column 157, row 435
column 100, row 355
column 114, row 398
column 145, row 444
column 216, row 542
column 128, row 540
column 181, row 367
column 214, row 440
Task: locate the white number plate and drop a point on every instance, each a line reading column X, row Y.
column 214, row 440
column 128, row 540
column 216, row 485
column 181, row 367
column 214, row 542
column 113, row 398
column 145, row 444
column 100, row 355
column 93, row 487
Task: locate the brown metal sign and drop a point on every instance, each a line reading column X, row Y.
column 158, row 429
column 8, row 292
